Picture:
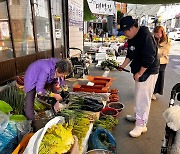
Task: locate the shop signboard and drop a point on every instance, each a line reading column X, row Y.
column 102, row 7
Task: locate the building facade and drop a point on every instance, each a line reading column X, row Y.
column 31, row 30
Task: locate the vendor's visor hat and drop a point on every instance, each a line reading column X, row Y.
column 126, row 23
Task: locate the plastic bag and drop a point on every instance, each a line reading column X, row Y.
column 23, row 127
column 102, row 139
column 8, row 138
column 4, row 119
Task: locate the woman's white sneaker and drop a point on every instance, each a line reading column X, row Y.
column 137, row 131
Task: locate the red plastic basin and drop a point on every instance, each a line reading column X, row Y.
column 109, row 111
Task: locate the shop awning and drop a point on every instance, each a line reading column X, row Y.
column 177, row 15
column 143, row 1
column 149, row 1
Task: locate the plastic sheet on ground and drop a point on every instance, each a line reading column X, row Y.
column 8, row 138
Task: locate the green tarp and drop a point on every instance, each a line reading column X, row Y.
column 87, row 13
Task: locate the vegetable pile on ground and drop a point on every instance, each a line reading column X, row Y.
column 105, row 64
column 80, row 122
column 87, row 104
column 80, row 128
column 98, row 96
column 14, row 98
column 6, row 109
column 107, row 122
column 58, row 139
column 38, row 106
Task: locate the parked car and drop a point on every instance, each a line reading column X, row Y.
column 174, row 34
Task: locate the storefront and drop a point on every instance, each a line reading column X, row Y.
column 30, row 30
column 105, row 12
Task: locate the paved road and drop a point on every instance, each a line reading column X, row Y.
column 175, row 56
column 150, row 142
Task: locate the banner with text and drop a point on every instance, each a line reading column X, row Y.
column 102, row 7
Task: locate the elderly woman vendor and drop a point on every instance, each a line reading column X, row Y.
column 38, row 75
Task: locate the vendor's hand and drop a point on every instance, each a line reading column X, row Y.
column 74, row 148
column 39, row 93
column 120, row 68
column 57, row 97
column 57, row 107
column 137, row 76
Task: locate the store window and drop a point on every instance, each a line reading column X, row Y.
column 6, row 51
column 22, row 28
column 57, row 22
column 42, row 25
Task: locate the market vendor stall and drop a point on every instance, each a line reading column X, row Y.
column 80, row 116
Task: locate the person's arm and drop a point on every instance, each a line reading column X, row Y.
column 127, row 59
column 41, row 81
column 148, row 55
column 56, row 96
column 124, row 64
column 54, row 92
column 149, row 50
column 139, row 74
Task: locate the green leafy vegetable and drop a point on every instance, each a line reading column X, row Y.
column 14, row 98
column 39, row 106
column 5, row 107
column 58, row 140
column 17, row 118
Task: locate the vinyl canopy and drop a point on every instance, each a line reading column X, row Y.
column 149, row 1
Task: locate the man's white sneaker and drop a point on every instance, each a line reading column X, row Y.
column 131, row 118
column 137, row 131
column 153, row 97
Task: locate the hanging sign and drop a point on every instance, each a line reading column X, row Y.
column 102, row 7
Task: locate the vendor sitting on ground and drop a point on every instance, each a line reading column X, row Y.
column 40, row 74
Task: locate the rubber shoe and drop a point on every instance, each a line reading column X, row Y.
column 153, row 97
column 137, row 131
column 131, row 118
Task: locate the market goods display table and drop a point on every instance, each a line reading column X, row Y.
column 35, row 142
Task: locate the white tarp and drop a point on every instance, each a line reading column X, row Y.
column 102, row 7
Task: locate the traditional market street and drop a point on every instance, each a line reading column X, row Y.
column 61, row 91
column 150, row 142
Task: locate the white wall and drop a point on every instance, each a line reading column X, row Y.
column 75, row 24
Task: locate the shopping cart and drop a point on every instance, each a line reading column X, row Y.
column 169, row 133
column 80, row 64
